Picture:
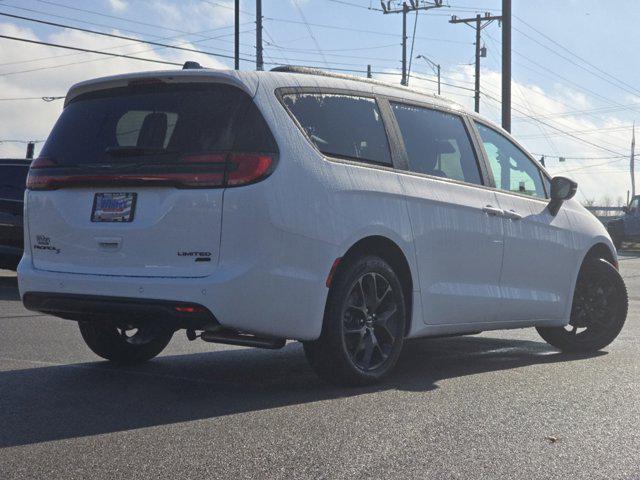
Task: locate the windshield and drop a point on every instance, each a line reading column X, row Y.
column 158, row 122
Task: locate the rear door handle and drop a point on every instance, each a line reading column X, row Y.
column 493, row 211
column 512, row 215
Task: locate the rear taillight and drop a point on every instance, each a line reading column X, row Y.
column 211, row 170
column 245, row 168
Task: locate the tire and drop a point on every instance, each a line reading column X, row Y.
column 598, row 313
column 364, row 324
column 119, row 345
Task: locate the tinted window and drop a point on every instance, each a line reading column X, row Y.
column 180, row 118
column 342, row 126
column 437, row 143
column 512, row 169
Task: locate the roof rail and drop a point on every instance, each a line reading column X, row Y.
column 324, row 73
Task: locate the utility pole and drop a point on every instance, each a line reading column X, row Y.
column 391, row 6
column 259, row 60
column 404, row 80
column 30, row 149
column 506, row 65
column 237, row 35
column 478, row 23
column 434, row 66
column 632, row 162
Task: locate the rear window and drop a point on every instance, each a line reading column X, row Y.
column 342, row 126
column 170, row 119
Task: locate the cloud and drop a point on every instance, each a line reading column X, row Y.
column 601, row 134
column 197, row 15
column 118, row 5
column 31, row 70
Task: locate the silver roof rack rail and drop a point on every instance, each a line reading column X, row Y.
column 324, row 73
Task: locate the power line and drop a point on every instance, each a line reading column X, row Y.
column 601, row 143
column 271, row 39
column 145, row 59
column 413, row 42
column 106, row 15
column 303, row 50
column 527, row 105
column 588, row 131
column 584, row 167
column 46, row 99
column 631, row 90
column 351, row 4
column 404, row 9
column 359, row 30
column 83, row 61
column 306, row 23
column 586, row 111
column 558, row 129
column 478, row 23
column 85, row 22
column 555, row 75
column 228, row 7
column 113, row 35
column 200, row 33
column 86, row 50
column 578, row 158
column 574, row 54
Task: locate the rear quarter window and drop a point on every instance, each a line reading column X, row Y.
column 343, row 126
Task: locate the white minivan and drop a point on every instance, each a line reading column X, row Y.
column 254, row 207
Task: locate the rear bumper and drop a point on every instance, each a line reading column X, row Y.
column 239, row 297
column 130, row 310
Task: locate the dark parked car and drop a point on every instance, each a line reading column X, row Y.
column 13, row 174
column 627, row 227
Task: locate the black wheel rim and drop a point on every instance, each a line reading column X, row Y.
column 594, row 308
column 370, row 321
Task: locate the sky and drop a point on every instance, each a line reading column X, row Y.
column 574, row 63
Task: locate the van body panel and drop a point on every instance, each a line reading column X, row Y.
column 273, row 242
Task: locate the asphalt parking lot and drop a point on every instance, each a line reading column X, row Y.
column 495, row 405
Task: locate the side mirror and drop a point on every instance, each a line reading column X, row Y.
column 626, row 210
column 562, row 189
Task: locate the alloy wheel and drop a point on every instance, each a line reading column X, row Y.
column 593, row 308
column 370, row 321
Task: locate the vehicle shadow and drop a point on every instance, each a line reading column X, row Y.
column 52, row 402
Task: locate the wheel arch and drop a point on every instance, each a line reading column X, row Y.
column 599, row 247
column 393, row 254
column 601, row 250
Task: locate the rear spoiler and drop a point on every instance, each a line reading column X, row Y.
column 246, row 81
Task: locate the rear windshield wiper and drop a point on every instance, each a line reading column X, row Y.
column 137, row 151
